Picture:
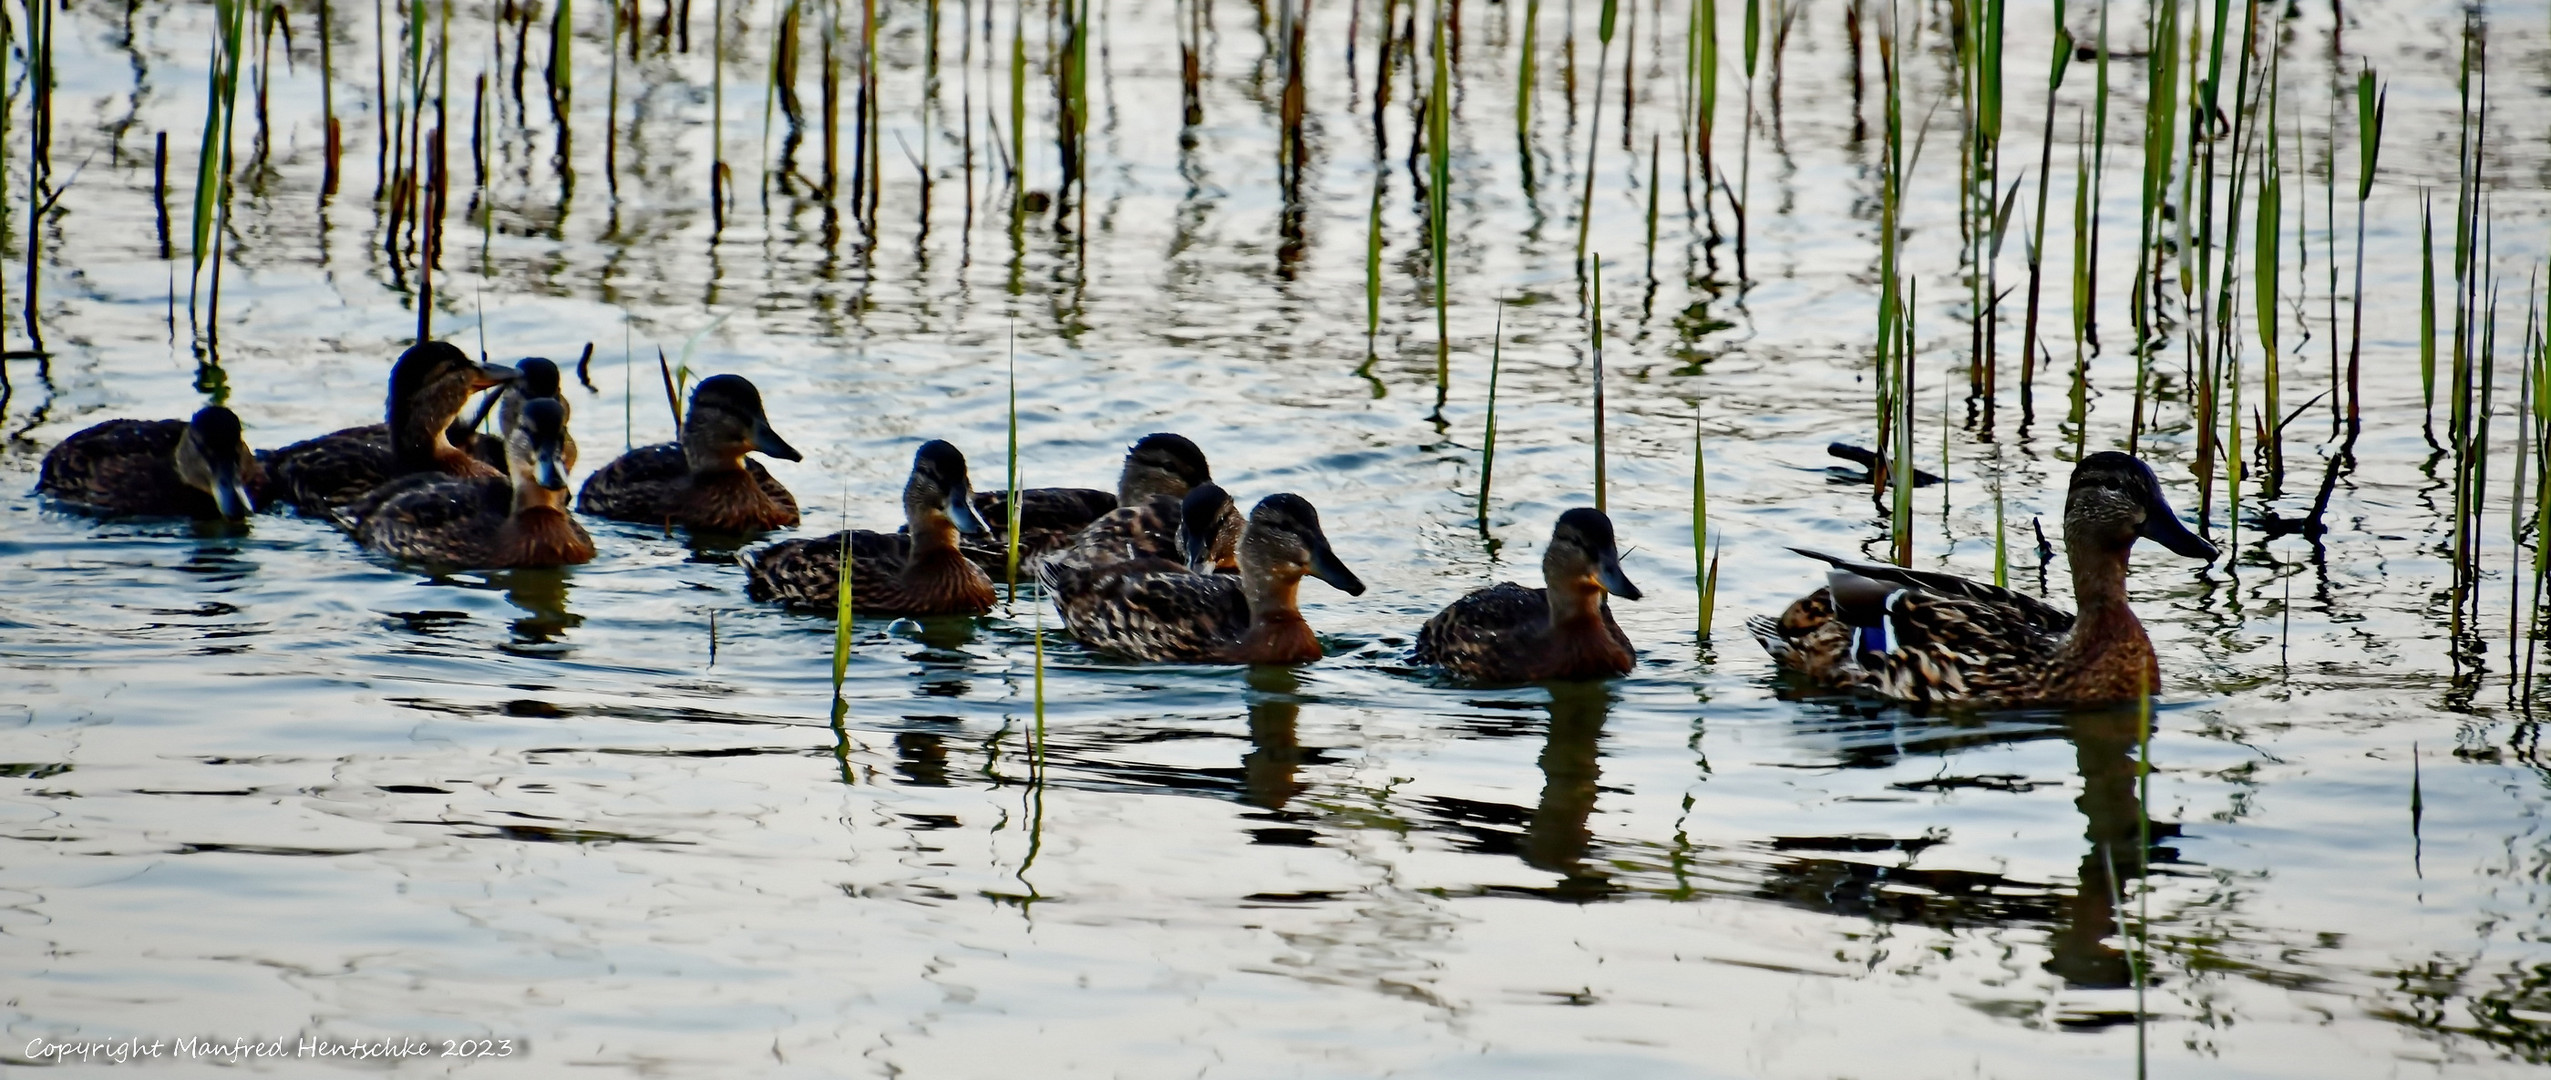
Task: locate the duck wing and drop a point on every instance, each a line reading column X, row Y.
column 1861, row 588
column 1124, row 536
column 322, row 474
column 121, row 467
column 429, row 517
column 639, row 486
column 1049, row 520
column 806, row 574
column 1148, row 609
column 1476, row 637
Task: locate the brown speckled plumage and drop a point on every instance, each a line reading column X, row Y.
column 482, row 522
column 705, row 481
column 429, row 387
column 1152, row 608
column 1507, row 633
column 143, row 467
column 1159, row 465
column 920, row 571
column 1935, row 639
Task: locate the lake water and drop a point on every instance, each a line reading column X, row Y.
column 258, row 783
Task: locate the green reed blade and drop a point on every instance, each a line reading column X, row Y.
column 1373, row 272
column 1702, row 575
column 1011, row 561
column 842, row 603
column 1488, row 440
column 1525, row 66
column 2427, row 307
column 1439, row 198
column 1595, row 318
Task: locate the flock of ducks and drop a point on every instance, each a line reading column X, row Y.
column 1165, row 568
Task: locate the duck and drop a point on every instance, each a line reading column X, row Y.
column 1935, row 639
column 1159, row 465
column 920, row 571
column 704, row 481
column 1507, row 633
column 429, row 386
column 484, row 522
column 1162, row 610
column 535, row 377
column 1200, row 531
column 199, row 467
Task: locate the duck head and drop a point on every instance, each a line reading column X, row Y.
column 428, row 388
column 940, row 494
column 2115, row 499
column 1161, row 464
column 726, row 422
column 1583, row 559
column 214, row 458
column 1283, row 542
column 537, row 446
column 1201, row 517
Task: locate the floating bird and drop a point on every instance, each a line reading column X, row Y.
column 429, row 386
column 536, row 377
column 1507, row 633
column 919, row 571
column 1159, row 465
column 1200, row 532
column 176, row 468
column 1930, row 638
column 1159, row 609
column 704, row 481
column 484, row 522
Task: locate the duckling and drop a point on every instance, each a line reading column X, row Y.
column 536, row 377
column 1507, row 633
column 704, row 481
column 1200, row 531
column 177, row 468
column 1936, row 639
column 1158, row 465
column 917, row 572
column 484, row 522
column 1157, row 609
column 428, row 388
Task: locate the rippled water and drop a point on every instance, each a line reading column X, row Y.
column 257, row 783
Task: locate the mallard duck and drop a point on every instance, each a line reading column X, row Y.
column 1158, row 609
column 535, row 377
column 704, row 481
column 489, row 521
column 1158, row 465
column 916, row 572
column 1936, row 639
column 1507, row 633
column 429, row 386
column 1200, row 531
column 191, row 468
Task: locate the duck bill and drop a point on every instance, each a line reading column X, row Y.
column 961, row 511
column 768, row 441
column 1326, row 567
column 487, row 375
column 1198, row 547
column 549, row 469
column 230, row 493
column 1607, row 572
column 2162, row 527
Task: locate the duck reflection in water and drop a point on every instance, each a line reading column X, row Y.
column 2113, row 811
column 1558, row 837
column 1269, row 771
column 542, row 594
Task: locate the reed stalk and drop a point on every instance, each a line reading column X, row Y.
column 1010, row 560
column 2265, row 270
column 842, row 607
column 1745, row 153
column 2030, row 349
column 1595, row 323
column 1439, row 184
column 2370, row 101
column 1488, row 437
column 1594, row 135
column 1704, row 559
